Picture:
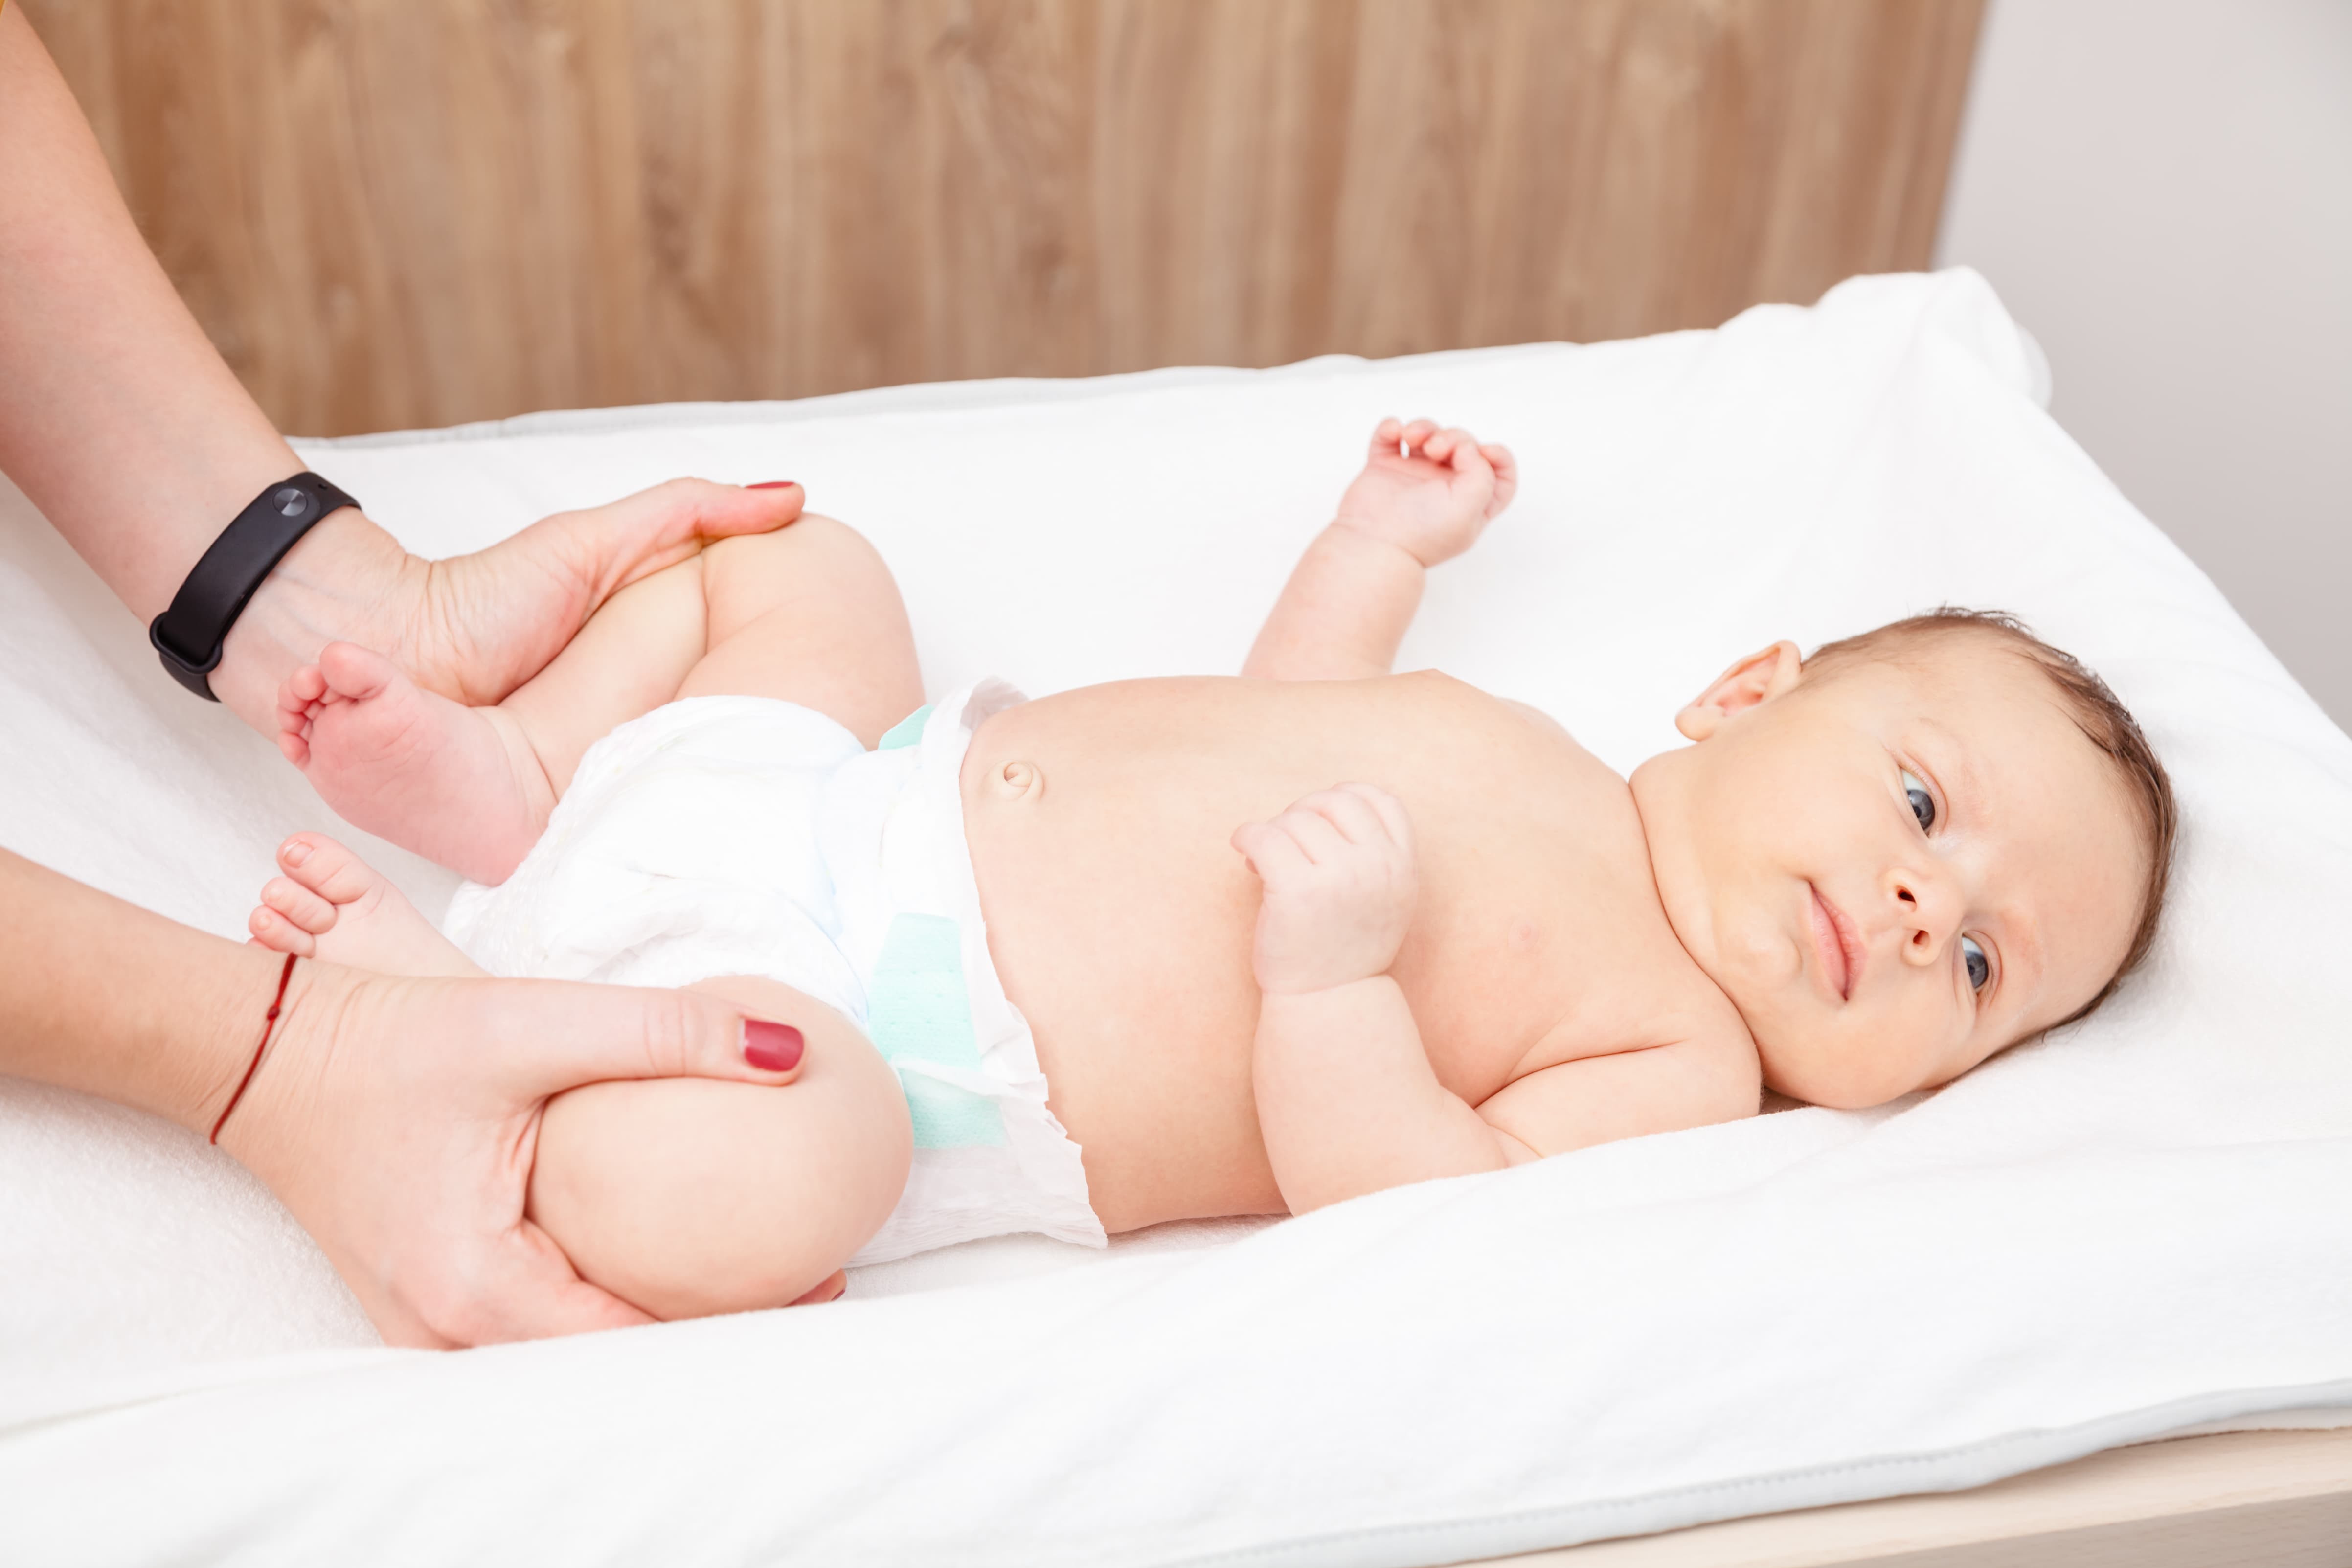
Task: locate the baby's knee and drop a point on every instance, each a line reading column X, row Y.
column 812, row 548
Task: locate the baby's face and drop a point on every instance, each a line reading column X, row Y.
column 1895, row 868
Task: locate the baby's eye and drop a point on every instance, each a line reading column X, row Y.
column 1923, row 804
column 1973, row 955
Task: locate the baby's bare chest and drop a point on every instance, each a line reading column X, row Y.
column 1122, row 918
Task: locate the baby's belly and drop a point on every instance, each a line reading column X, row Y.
column 1126, row 943
column 1122, row 919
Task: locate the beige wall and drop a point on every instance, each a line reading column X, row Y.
column 2162, row 192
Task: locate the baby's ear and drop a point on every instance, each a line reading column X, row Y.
column 1754, row 680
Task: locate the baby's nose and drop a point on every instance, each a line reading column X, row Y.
column 1926, row 913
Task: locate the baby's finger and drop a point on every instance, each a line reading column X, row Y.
column 1386, row 435
column 1419, row 431
column 1464, row 453
column 1390, row 811
column 1357, row 819
column 1273, row 854
column 1507, row 476
column 1314, row 833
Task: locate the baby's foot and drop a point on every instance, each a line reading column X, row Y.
column 332, row 906
column 458, row 785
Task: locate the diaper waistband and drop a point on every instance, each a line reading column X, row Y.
column 911, row 927
column 990, row 1155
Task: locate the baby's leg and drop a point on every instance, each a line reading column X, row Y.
column 682, row 1195
column 815, row 619
column 685, row 1197
column 809, row 614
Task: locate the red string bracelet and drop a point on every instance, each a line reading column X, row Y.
column 268, row 1023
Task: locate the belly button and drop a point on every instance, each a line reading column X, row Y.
column 1016, row 780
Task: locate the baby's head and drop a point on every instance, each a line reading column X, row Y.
column 1915, row 847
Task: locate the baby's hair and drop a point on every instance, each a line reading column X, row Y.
column 2096, row 711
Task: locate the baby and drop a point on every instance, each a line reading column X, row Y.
column 1174, row 948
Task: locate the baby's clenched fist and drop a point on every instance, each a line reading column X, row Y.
column 1428, row 491
column 1339, row 878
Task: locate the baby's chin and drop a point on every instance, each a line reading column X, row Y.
column 1809, row 1075
column 1787, row 1026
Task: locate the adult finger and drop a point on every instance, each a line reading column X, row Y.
column 613, row 545
column 532, row 1293
column 557, row 1036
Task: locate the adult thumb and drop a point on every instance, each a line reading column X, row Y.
column 564, row 1034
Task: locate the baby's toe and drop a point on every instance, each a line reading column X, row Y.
column 278, row 935
column 299, row 905
column 350, row 670
column 302, row 688
column 326, row 868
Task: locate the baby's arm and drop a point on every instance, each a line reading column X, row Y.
column 1346, row 1097
column 1424, row 496
column 1347, row 1100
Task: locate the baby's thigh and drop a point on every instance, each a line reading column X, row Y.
column 687, row 1197
column 811, row 614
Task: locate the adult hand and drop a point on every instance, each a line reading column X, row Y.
column 397, row 1119
column 475, row 626
column 121, row 424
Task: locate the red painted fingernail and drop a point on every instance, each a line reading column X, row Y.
column 772, row 484
column 772, row 1048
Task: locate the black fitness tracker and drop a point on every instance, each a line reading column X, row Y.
column 189, row 635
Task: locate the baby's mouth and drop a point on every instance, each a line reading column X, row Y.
column 1836, row 943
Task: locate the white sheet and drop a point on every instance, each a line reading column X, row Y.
column 2127, row 1230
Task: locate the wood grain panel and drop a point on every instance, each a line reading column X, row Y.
column 396, row 213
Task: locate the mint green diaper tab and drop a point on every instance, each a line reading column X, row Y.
column 917, row 1010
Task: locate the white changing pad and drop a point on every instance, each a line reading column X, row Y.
column 2133, row 1227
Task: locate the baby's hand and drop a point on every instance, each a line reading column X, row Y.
column 1431, row 493
column 1339, row 875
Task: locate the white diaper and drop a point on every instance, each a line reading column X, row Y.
column 745, row 835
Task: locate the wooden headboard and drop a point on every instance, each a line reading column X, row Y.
column 393, row 213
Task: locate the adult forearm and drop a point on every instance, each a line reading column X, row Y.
column 116, row 417
column 1348, row 1103
column 1343, row 612
column 103, row 996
